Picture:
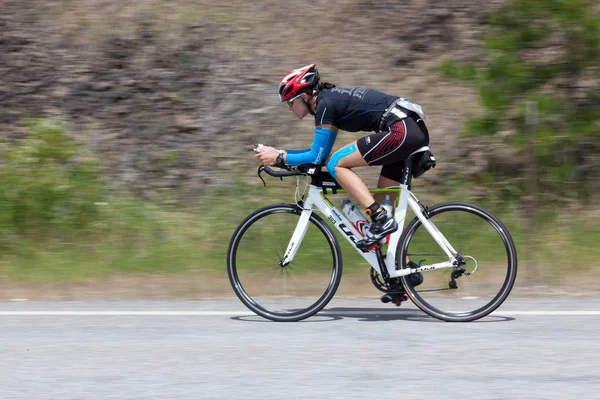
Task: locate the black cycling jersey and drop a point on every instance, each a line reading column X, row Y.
column 354, row 109
column 367, row 110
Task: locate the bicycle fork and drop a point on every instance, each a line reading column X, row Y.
column 297, row 237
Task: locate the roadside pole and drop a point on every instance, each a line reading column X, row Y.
column 530, row 203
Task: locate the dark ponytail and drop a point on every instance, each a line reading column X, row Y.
column 314, row 90
column 325, row 85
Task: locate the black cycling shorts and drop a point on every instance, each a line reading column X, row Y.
column 390, row 148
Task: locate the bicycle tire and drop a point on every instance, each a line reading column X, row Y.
column 417, row 293
column 251, row 301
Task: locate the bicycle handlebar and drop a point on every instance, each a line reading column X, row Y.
column 288, row 171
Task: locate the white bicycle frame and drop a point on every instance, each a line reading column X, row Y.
column 316, row 199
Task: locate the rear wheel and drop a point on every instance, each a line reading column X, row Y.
column 484, row 277
column 290, row 292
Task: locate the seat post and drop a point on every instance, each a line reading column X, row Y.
column 382, row 265
column 407, row 173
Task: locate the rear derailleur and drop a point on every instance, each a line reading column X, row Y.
column 458, row 270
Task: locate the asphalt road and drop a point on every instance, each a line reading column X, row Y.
column 356, row 349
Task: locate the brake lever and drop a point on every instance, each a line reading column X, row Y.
column 261, row 168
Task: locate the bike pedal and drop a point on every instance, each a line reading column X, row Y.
column 394, row 298
column 400, row 300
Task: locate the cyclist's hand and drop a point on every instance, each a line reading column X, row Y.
column 268, row 155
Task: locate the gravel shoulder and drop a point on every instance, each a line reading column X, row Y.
column 206, row 286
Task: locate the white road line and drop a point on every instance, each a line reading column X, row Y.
column 132, row 313
column 136, row 313
column 566, row 313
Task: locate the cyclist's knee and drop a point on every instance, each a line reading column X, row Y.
column 335, row 159
column 333, row 167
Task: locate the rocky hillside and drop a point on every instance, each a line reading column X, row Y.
column 171, row 94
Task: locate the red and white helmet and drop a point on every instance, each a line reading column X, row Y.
column 297, row 80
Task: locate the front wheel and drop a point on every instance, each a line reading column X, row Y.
column 486, row 272
column 278, row 292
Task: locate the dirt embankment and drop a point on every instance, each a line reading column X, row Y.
column 171, row 94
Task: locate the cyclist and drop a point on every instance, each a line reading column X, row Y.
column 397, row 128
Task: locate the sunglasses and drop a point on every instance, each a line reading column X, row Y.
column 290, row 102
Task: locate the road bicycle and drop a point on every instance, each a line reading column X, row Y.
column 285, row 264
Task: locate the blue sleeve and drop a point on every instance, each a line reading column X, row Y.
column 321, row 147
column 297, row 151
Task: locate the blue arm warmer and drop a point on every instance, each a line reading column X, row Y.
column 297, row 151
column 321, row 147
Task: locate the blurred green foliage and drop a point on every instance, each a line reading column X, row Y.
column 47, row 184
column 548, row 52
column 59, row 221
